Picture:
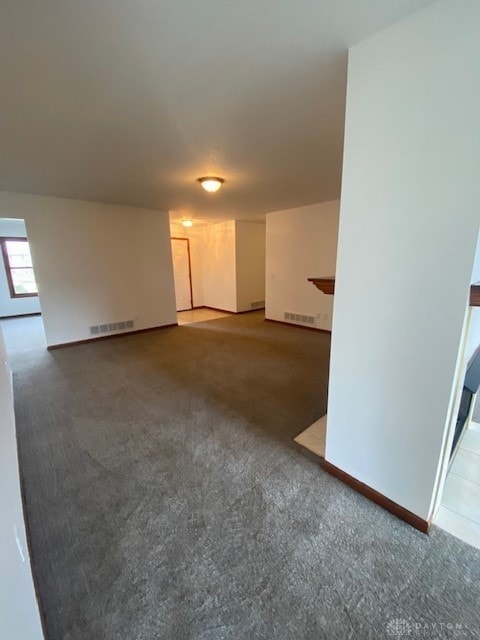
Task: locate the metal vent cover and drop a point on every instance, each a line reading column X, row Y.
column 300, row 318
column 111, row 327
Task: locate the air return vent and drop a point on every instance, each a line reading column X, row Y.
column 300, row 318
column 259, row 304
column 111, row 327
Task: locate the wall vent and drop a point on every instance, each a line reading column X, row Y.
column 259, row 304
column 111, row 327
column 300, row 318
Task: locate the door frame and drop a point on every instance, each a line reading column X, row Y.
column 187, row 240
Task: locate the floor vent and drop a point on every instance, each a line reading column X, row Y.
column 111, row 327
column 300, row 318
column 260, row 304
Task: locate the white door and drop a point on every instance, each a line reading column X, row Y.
column 181, row 273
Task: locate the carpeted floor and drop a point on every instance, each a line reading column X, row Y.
column 167, row 501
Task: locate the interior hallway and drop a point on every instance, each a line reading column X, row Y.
column 166, row 498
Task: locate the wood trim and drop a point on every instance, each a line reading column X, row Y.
column 299, row 326
column 326, row 285
column 189, row 269
column 402, row 513
column 203, row 306
column 21, row 315
column 51, row 347
column 239, row 313
column 232, row 313
column 475, row 295
column 8, row 267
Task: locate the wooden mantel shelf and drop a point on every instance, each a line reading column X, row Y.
column 475, row 294
column 327, row 285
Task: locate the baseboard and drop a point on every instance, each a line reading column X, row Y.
column 299, row 326
column 51, row 347
column 233, row 313
column 204, row 306
column 238, row 313
column 402, row 513
column 21, row 315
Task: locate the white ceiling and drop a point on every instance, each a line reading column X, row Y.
column 129, row 101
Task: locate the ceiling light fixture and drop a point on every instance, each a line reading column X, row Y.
column 187, row 223
column 210, row 183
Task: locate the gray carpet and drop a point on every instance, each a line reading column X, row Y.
column 167, row 501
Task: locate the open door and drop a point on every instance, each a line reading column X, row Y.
column 181, row 273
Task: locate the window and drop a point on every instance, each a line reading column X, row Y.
column 18, row 267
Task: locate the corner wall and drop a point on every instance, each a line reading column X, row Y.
column 19, row 615
column 301, row 244
column 96, row 263
column 410, row 211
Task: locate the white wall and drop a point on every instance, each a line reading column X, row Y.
column 96, row 263
column 11, row 228
column 409, row 219
column 301, row 244
column 250, row 263
column 195, row 236
column 219, row 267
column 19, row 616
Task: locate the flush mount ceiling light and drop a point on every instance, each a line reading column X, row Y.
column 210, row 183
column 187, row 223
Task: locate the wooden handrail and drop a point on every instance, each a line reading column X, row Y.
column 475, row 294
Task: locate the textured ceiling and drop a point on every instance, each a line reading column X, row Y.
column 129, row 101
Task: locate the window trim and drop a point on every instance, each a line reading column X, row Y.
column 8, row 267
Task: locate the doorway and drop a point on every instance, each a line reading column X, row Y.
column 459, row 510
column 20, row 311
column 182, row 274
